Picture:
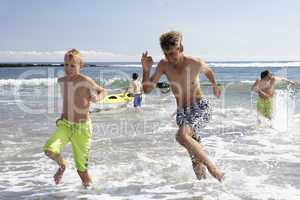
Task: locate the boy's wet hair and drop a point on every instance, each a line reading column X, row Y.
column 170, row 40
column 264, row 74
column 74, row 56
column 135, row 76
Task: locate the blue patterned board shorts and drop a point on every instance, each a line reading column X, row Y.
column 137, row 101
column 197, row 116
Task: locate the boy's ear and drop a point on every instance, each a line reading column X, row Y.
column 81, row 64
column 181, row 48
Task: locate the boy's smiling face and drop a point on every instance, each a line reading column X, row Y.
column 173, row 55
column 72, row 66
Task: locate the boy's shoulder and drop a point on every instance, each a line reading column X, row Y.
column 163, row 62
column 194, row 60
column 90, row 82
column 257, row 81
column 275, row 79
column 80, row 77
column 62, row 79
column 85, row 78
column 132, row 83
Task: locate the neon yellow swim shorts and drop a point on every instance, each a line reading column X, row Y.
column 265, row 107
column 79, row 134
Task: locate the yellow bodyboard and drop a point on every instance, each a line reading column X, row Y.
column 116, row 98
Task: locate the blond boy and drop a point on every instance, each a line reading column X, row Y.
column 74, row 125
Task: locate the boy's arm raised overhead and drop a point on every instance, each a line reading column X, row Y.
column 150, row 82
column 208, row 72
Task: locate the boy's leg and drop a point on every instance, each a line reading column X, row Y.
column 198, row 167
column 85, row 178
column 53, row 147
column 62, row 164
column 81, row 142
column 139, row 103
column 268, row 109
column 264, row 107
column 184, row 137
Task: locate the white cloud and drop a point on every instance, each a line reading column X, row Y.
column 44, row 56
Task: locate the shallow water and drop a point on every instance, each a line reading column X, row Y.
column 135, row 155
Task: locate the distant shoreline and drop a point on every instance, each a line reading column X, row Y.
column 29, row 65
column 292, row 63
column 12, row 65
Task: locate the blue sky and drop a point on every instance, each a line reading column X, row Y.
column 119, row 30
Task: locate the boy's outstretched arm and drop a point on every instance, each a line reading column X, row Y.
column 285, row 80
column 149, row 82
column 208, row 72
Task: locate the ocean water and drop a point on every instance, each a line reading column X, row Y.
column 135, row 155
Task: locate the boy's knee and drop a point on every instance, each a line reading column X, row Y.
column 183, row 135
column 48, row 153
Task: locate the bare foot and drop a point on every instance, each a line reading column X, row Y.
column 85, row 178
column 220, row 176
column 59, row 173
column 87, row 185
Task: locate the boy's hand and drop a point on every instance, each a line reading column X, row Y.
column 146, row 61
column 94, row 98
column 263, row 94
column 217, row 91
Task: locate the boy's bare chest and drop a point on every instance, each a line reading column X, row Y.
column 182, row 76
column 75, row 90
column 265, row 85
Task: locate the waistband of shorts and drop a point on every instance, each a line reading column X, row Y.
column 193, row 105
column 74, row 124
column 134, row 95
column 265, row 100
